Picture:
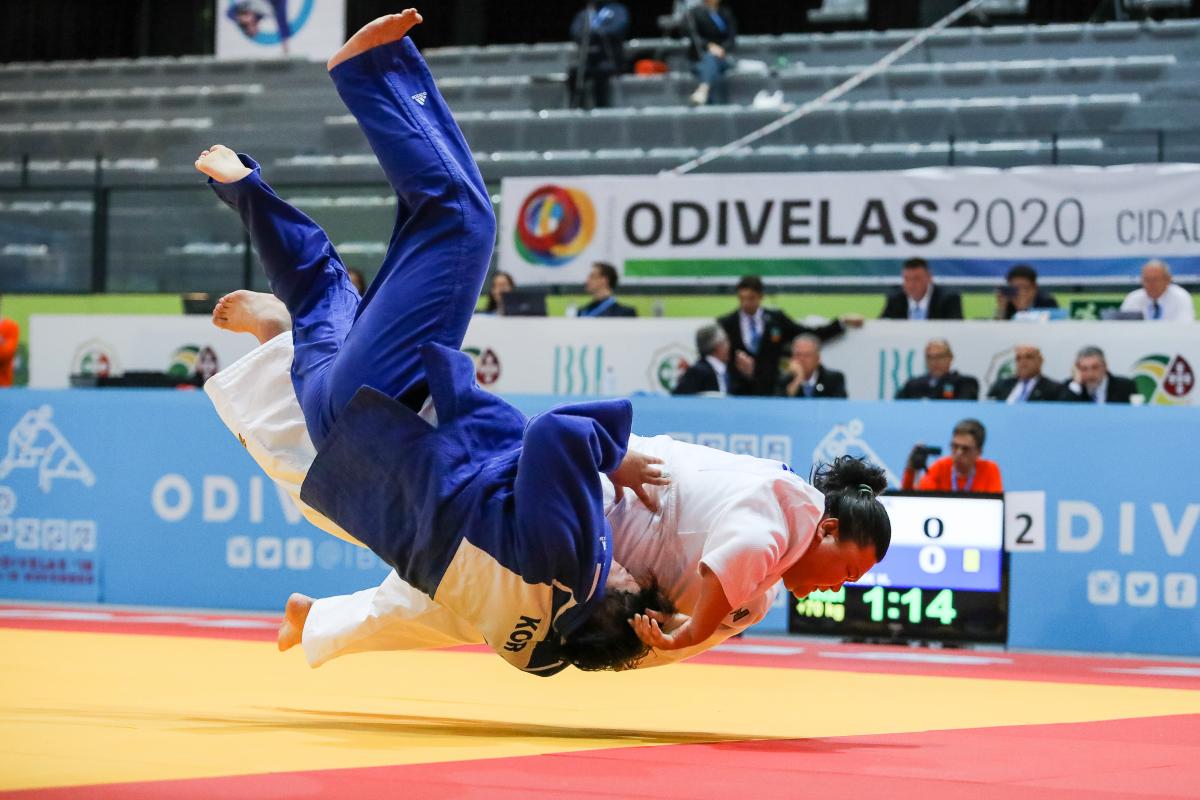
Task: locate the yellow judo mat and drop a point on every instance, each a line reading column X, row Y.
column 84, row 708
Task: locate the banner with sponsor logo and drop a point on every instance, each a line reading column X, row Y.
column 1090, row 225
column 143, row 497
column 588, row 357
column 280, row 28
column 105, row 345
column 596, row 357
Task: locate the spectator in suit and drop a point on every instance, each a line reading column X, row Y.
column 600, row 284
column 1029, row 385
column 708, row 374
column 940, row 381
column 502, row 284
column 1093, row 383
column 10, row 336
column 919, row 297
column 1159, row 298
column 600, row 30
column 757, row 337
column 713, row 31
column 961, row 471
column 1021, row 293
column 806, row 376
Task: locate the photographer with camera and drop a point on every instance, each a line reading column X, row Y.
column 961, row 471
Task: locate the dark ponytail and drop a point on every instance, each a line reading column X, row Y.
column 606, row 640
column 850, row 485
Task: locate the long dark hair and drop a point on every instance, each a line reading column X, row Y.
column 850, row 485
column 492, row 306
column 606, row 640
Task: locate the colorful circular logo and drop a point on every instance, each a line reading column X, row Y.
column 1163, row 379
column 554, row 225
column 249, row 16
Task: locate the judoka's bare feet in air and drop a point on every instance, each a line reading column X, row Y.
column 222, row 164
column 263, row 315
column 375, row 33
column 295, row 613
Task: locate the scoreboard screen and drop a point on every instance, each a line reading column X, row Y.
column 944, row 578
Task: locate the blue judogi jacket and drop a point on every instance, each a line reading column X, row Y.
column 497, row 517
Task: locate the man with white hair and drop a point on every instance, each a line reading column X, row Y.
column 1160, row 298
column 707, row 375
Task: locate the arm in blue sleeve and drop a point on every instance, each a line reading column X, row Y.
column 292, row 247
column 559, row 499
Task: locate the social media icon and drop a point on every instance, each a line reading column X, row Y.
column 1103, row 587
column 1179, row 590
column 1141, row 589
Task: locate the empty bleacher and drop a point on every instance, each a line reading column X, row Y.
column 995, row 97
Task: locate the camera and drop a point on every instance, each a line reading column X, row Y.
column 920, row 454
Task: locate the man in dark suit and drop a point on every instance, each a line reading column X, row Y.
column 757, row 337
column 600, row 284
column 708, row 374
column 806, row 376
column 939, row 382
column 1093, row 383
column 919, row 297
column 1029, row 385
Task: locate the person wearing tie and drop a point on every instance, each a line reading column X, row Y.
column 757, row 336
column 1093, row 383
column 919, row 298
column 709, row 374
column 1159, row 298
column 962, row 471
column 805, row 376
column 1029, row 385
column 713, row 32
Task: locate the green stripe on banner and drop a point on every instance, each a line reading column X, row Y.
column 777, row 267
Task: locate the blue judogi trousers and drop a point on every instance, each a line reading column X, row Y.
column 441, row 245
column 497, row 517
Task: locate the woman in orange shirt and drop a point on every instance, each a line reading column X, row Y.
column 961, row 471
column 10, row 334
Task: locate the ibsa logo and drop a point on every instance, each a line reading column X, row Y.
column 192, row 360
column 36, row 443
column 269, row 22
column 554, row 225
column 848, row 440
column 487, row 364
column 1164, row 380
column 95, row 358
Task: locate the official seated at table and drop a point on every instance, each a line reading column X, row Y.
column 940, row 381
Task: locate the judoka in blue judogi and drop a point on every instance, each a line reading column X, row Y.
column 497, row 517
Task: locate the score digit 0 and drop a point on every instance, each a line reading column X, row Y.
column 932, row 559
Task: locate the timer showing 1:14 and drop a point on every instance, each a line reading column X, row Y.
column 886, row 604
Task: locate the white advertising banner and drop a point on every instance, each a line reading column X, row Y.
column 264, row 29
column 590, row 357
column 1091, row 225
column 110, row 345
column 622, row 356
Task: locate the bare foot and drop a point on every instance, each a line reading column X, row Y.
column 222, row 164
column 375, row 33
column 261, row 314
column 295, row 613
